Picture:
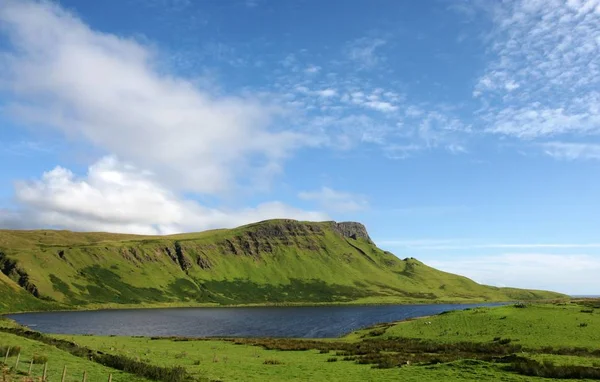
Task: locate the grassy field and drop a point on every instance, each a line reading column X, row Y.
column 509, row 343
column 57, row 360
column 226, row 361
column 273, row 262
column 535, row 326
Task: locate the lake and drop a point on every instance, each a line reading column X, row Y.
column 309, row 322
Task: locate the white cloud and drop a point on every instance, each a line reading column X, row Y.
column 312, row 69
column 534, row 120
column 401, row 151
column 364, row 51
column 413, row 111
column 572, row 151
column 26, row 148
column 456, row 148
column 417, row 243
column 382, row 106
column 437, row 129
column 337, row 201
column 346, row 110
column 572, row 273
column 109, row 91
column 544, row 73
column 511, row 85
column 326, row 93
column 118, row 197
column 455, row 244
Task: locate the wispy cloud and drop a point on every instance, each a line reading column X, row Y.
column 453, row 244
column 252, row 3
column 337, row 201
column 572, row 273
column 363, row 51
column 171, row 135
column 402, row 151
column 312, row 69
column 572, row 151
column 106, row 90
column 428, row 210
column 27, row 147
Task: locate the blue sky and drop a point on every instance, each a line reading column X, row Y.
column 462, row 133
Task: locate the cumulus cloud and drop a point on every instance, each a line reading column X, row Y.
column 118, row 197
column 111, row 92
column 544, row 71
column 337, row 201
column 567, row 273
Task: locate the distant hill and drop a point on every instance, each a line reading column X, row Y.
column 275, row 261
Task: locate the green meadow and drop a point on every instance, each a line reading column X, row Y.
column 57, row 360
column 535, row 326
column 518, row 342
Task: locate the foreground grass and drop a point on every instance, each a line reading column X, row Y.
column 509, row 343
column 535, row 326
column 475, row 344
column 57, row 359
column 226, row 361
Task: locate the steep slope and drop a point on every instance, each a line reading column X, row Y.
column 13, row 298
column 277, row 261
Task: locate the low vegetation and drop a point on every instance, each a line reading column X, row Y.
column 56, row 360
column 114, row 361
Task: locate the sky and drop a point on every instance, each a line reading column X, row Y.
column 465, row 134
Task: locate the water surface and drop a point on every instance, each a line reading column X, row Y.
column 310, row 322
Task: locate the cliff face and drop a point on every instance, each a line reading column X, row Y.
column 352, row 230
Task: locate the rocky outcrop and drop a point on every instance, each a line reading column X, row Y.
column 264, row 237
column 284, row 229
column 184, row 262
column 352, row 230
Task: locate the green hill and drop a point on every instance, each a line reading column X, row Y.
column 16, row 299
column 277, row 261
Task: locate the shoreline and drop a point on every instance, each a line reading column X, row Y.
column 104, row 307
column 342, row 336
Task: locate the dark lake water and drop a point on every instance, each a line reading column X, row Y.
column 310, row 322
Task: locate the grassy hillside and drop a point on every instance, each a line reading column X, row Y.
column 278, row 261
column 16, row 299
